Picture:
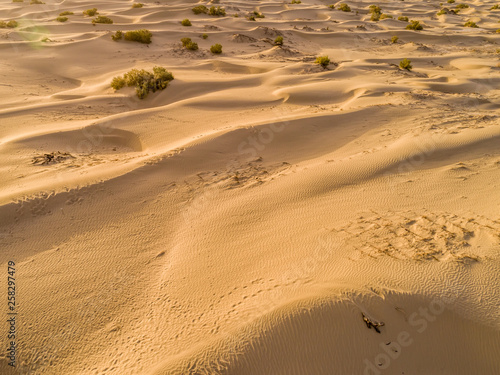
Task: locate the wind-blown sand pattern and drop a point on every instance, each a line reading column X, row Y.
column 249, row 217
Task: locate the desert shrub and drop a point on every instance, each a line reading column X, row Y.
column 3, row 24
column 324, row 61
column 278, row 41
column 496, row 6
column 137, row 5
column 394, row 39
column 258, row 15
column 462, row 6
column 186, row 22
column 216, row 48
column 189, row 44
column 498, row 31
column 117, row 36
column 414, row 25
column 331, row 6
column 66, row 13
column 141, row 36
column 384, row 16
column 295, row 2
column 470, row 24
column 450, row 1
column 144, row 81
column 37, row 2
column 443, row 11
column 403, row 18
column 213, row 11
column 405, row 64
column 251, row 18
column 18, row 1
column 90, row 12
column 12, row 24
column 200, row 9
column 102, row 19
column 375, row 9
column 204, row 36
column 344, row 7
column 61, row 19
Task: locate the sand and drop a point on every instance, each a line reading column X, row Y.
column 262, row 214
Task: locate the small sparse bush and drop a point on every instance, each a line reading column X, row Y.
column 12, row 24
column 186, row 22
column 144, row 81
column 278, row 41
column 443, row 11
column 405, row 64
column 450, row 1
column 213, row 11
column 66, row 13
column 189, row 44
column 102, row 19
column 117, row 36
column 200, row 9
column 344, row 7
column 496, row 6
column 324, row 61
column 258, row 15
column 18, row 1
column 462, row 6
column 137, row 5
column 204, row 36
column 90, row 12
column 295, row 2
column 403, row 18
column 37, row 2
column 251, row 18
column 216, row 48
column 331, row 6
column 414, row 25
column 384, row 16
column 375, row 9
column 61, row 19
column 141, row 36
column 394, row 39
column 470, row 24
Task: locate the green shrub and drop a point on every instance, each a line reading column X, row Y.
column 12, row 24
column 332, row 6
column 405, row 64
column 278, row 41
column 403, row 18
column 462, row 6
column 200, row 9
column 66, row 13
column 258, row 15
column 189, row 44
column 213, row 11
column 117, row 36
column 18, row 1
column 216, row 48
column 324, row 61
column 375, row 9
column 186, row 22
column 204, row 36
column 137, row 5
column 394, row 39
column 450, row 1
column 470, row 24
column 102, row 19
column 37, row 2
column 496, row 6
column 61, row 19
column 295, row 2
column 141, row 36
column 251, row 18
column 384, row 16
column 90, row 12
column 3, row 24
column 414, row 25
column 344, row 7
column 144, row 81
column 443, row 11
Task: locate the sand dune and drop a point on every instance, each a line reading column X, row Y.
column 262, row 214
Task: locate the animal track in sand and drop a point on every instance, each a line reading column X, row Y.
column 419, row 236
